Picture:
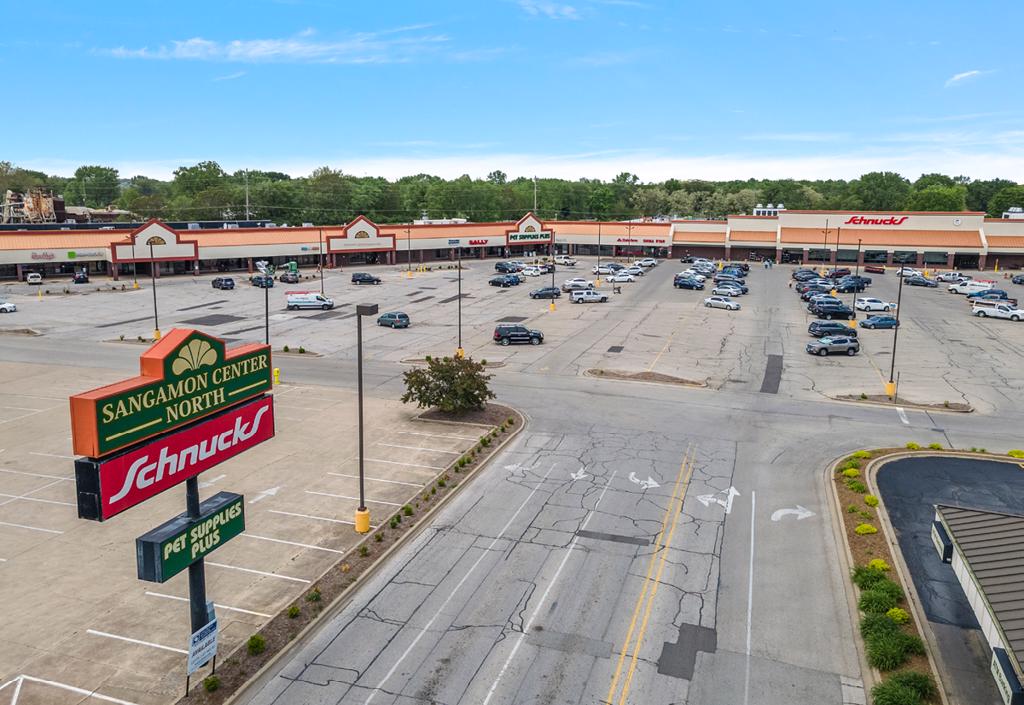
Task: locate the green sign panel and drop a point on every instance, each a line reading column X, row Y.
column 185, row 376
column 529, row 237
column 175, row 545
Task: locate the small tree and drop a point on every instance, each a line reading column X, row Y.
column 451, row 384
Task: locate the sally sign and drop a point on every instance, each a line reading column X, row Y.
column 110, row 486
column 186, row 376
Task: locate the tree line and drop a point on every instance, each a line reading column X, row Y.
column 205, row 191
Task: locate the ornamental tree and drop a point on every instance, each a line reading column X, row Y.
column 451, row 384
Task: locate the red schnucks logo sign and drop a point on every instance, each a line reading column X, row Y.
column 891, row 220
column 108, row 487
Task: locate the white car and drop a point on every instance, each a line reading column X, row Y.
column 909, row 272
column 622, row 277
column 603, row 269
column 34, row 278
column 693, row 273
column 721, row 302
column 7, row 307
column 646, row 262
column 531, row 271
column 869, row 304
column 577, row 283
column 635, row 271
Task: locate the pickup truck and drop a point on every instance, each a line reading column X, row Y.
column 565, row 260
column 988, row 302
column 998, row 311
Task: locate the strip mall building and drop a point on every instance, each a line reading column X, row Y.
column 960, row 240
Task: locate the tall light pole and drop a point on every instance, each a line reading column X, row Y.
column 155, row 240
column 824, row 251
column 135, row 268
column 598, row 282
column 890, row 387
column 362, row 513
column 320, row 248
column 459, row 353
column 408, row 252
column 857, row 280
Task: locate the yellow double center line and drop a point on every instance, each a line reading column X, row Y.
column 650, row 587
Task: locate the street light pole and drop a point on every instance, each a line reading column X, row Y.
column 890, row 387
column 362, row 513
column 824, row 252
column 598, row 282
column 857, row 280
column 320, row 239
column 408, row 253
column 266, row 312
column 459, row 353
column 155, row 240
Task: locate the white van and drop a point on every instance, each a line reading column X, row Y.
column 307, row 299
column 34, row 278
column 969, row 287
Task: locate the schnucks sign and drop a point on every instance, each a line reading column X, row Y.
column 185, row 376
column 109, row 486
column 889, row 220
column 173, row 546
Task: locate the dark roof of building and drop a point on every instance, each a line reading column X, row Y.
column 992, row 544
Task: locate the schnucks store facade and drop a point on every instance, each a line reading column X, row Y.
column 962, row 240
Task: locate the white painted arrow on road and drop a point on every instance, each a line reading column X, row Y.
column 708, row 499
column 800, row 513
column 578, row 475
column 264, row 494
column 647, row 484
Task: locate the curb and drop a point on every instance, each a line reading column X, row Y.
column 902, row 405
column 263, row 675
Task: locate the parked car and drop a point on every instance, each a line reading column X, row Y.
column 223, row 283
column 616, row 267
column 909, row 272
column 34, row 278
column 508, row 333
column 739, row 265
column 588, row 296
column 970, row 286
column 810, row 293
column 647, row 262
column 307, row 299
column 722, row 302
column 694, row 274
column 838, row 272
column 394, row 319
column 621, row 277
column 833, row 344
column 576, row 283
column 999, row 311
column 364, row 278
column 822, row 299
column 830, row 310
column 565, row 260
column 546, row 268
column 727, row 289
column 7, row 307
column 920, row 281
column 953, row 277
column 802, row 274
column 988, row 294
column 870, row 304
column 80, row 278
column 849, row 287
column 1018, row 279
column 687, row 283
column 289, row 278
column 505, row 267
column 635, row 271
column 874, row 268
column 502, row 280
column 603, row 269
column 879, row 322
column 820, row 329
column 547, row 292
column 263, row 281
column 531, row 272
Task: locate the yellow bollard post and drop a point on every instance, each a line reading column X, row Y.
column 39, row 294
column 277, row 375
column 890, row 389
column 156, row 334
column 135, row 285
column 362, row 521
column 551, row 307
column 460, row 353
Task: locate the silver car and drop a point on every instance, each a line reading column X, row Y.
column 722, row 302
column 833, row 344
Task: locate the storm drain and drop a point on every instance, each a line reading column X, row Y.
column 615, row 349
column 216, row 319
column 511, row 319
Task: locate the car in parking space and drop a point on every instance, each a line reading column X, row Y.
column 802, row 274
column 909, row 272
column 576, row 283
column 516, row 278
column 873, row 322
column 289, row 278
column 263, row 281
column 810, row 293
column 722, row 302
column 813, row 284
column 820, row 329
column 7, row 307
column 565, row 260
column 849, row 287
column 874, row 268
column 223, row 283
column 394, row 319
column 531, row 272
column 953, row 277
column 686, row 283
column 647, row 262
column 988, row 294
column 829, row 310
column 720, row 277
column 588, row 296
column 970, row 286
column 838, row 272
column 505, row 267
column 364, row 278
column 833, row 344
column 546, row 267
column 727, row 289
column 872, row 304
column 692, row 273
column 920, row 281
column 509, row 333
column 635, row 271
column 620, row 277
column 33, row 278
column 603, row 269
column 80, row 278
column 822, row 299
column 1009, row 311
column 739, row 265
column 502, row 280
column 547, row 292
column 1017, row 279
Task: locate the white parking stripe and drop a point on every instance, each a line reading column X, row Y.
column 310, row 516
column 429, row 450
column 259, row 572
column 136, row 641
column 36, row 474
column 354, row 499
column 53, row 455
column 437, row 435
column 216, row 604
column 292, row 543
column 903, row 415
column 30, row 528
column 36, row 499
column 377, row 479
column 91, row 694
column 408, row 465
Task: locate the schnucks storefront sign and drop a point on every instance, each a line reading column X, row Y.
column 173, row 546
column 185, row 376
column 109, row 486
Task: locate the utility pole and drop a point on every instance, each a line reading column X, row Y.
column 535, row 195
column 247, row 216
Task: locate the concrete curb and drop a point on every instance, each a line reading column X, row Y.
column 265, row 673
column 902, row 405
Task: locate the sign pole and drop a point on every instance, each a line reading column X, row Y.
column 196, row 570
column 266, row 311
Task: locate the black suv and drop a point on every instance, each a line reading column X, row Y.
column 364, row 278
column 505, row 267
column 502, row 281
column 686, row 283
column 820, row 329
column 830, row 311
column 263, row 281
column 845, row 286
column 508, row 333
column 223, row 283
column 548, row 292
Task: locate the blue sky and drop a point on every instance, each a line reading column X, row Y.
column 580, row 88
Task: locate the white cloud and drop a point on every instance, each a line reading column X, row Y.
column 230, row 76
column 958, row 78
column 551, row 10
column 796, row 137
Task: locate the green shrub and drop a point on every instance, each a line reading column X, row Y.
column 865, row 514
column 293, row 611
column 890, row 651
column 865, row 529
column 256, row 645
column 913, row 446
column 893, row 693
column 394, row 522
column 934, row 446
column 407, row 510
column 441, row 482
column 851, row 463
column 1015, row 453
column 451, row 384
column 878, row 564
column 982, row 450
column 921, row 683
column 872, row 625
column 855, row 486
column 211, row 683
column 852, row 509
column 302, row 350
column 364, row 550
column 433, row 490
column 861, row 454
column 511, row 421
column 378, row 537
column 851, row 472
column 876, row 602
column 313, row 595
column 871, row 500
column 898, row 615
column 397, row 518
column 286, row 349
column 890, row 588
column 485, row 441
column 863, row 395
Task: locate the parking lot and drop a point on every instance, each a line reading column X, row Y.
column 943, row 354
column 74, row 612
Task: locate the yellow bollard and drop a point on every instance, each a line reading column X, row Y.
column 135, row 285
column 277, row 375
column 890, row 389
column 39, row 294
column 156, row 334
column 460, row 353
column 551, row 307
column 362, row 521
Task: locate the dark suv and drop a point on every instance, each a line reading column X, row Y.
column 505, row 267
column 686, row 283
column 289, row 278
column 828, row 312
column 223, row 283
column 364, row 278
column 820, row 329
column 263, row 281
column 508, row 333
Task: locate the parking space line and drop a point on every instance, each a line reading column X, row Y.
column 24, row 416
column 377, row 479
column 395, row 462
column 53, row 455
column 429, row 450
column 64, row 686
column 37, row 474
column 437, row 435
column 30, row 528
column 259, row 572
column 310, row 516
column 355, row 499
column 136, row 641
column 293, row 543
column 37, row 499
column 216, row 604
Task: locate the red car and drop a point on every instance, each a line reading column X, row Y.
column 874, row 268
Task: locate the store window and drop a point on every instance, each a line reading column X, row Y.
column 935, row 257
column 847, row 256
column 875, row 256
column 904, row 257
